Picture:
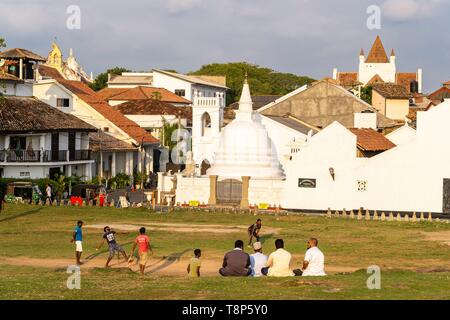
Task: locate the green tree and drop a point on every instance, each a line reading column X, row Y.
column 2, row 42
column 263, row 81
column 366, row 94
column 101, row 80
column 2, row 85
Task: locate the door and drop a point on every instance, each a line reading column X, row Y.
column 71, row 145
column 446, row 197
column 229, row 191
column 55, row 146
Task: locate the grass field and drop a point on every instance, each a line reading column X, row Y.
column 35, row 252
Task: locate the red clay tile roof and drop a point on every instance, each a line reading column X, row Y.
column 391, row 91
column 153, row 107
column 17, row 53
column 89, row 96
column 440, row 94
column 8, row 77
column 139, row 93
column 106, row 142
column 377, row 54
column 375, row 79
column 404, row 79
column 347, row 79
column 371, row 140
column 446, row 83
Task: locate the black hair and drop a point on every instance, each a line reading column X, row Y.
column 258, row 220
column 79, row 221
column 104, row 229
column 197, row 252
column 142, row 230
column 239, row 244
column 279, row 243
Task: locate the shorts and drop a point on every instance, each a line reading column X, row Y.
column 113, row 247
column 143, row 258
column 78, row 246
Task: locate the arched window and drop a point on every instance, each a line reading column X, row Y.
column 206, row 124
column 204, row 167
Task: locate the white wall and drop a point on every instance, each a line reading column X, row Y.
column 387, row 71
column 402, row 135
column 191, row 189
column 48, row 92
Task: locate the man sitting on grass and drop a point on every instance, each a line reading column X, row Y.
column 110, row 238
column 314, row 262
column 236, row 262
column 278, row 264
column 193, row 268
column 144, row 245
column 257, row 260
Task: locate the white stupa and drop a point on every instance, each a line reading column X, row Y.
column 245, row 148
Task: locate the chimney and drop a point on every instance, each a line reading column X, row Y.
column 335, row 73
column 419, row 80
column 109, row 76
column 365, row 119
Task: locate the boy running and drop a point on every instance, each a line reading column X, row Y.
column 253, row 231
column 77, row 237
column 193, row 268
column 144, row 245
column 110, row 238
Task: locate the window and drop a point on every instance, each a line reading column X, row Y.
column 62, row 102
column 106, row 129
column 180, row 92
column 17, row 143
column 361, row 185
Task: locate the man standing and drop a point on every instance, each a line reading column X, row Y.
column 257, row 260
column 144, row 245
column 236, row 262
column 314, row 262
column 253, row 231
column 110, row 238
column 77, row 237
column 278, row 264
column 48, row 193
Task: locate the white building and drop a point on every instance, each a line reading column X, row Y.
column 377, row 67
column 76, row 98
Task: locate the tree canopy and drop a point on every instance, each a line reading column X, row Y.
column 263, row 81
column 2, row 42
column 101, row 80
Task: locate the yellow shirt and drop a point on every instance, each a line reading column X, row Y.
column 193, row 265
column 279, row 264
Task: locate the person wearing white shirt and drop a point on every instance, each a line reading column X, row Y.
column 257, row 260
column 278, row 264
column 314, row 262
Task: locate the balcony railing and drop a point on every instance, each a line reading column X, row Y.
column 54, row 155
column 47, row 155
column 23, row 156
column 81, row 155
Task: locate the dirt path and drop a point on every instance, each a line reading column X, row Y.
column 155, row 266
column 181, row 227
column 440, row 236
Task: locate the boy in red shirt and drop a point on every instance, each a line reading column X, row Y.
column 144, row 245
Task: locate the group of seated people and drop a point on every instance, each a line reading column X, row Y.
column 278, row 264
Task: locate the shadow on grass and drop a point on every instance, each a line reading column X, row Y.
column 22, row 214
column 166, row 261
column 265, row 237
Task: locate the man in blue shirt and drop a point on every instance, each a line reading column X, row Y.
column 77, row 237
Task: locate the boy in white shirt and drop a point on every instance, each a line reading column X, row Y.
column 314, row 262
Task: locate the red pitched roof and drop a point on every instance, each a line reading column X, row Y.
column 440, row 94
column 347, row 79
column 391, row 91
column 140, row 93
column 405, row 78
column 371, row 140
column 89, row 96
column 377, row 54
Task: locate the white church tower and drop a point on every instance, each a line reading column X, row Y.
column 377, row 66
column 207, row 121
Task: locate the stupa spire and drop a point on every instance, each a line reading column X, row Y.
column 245, row 102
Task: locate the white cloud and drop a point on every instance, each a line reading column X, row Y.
column 177, row 6
column 403, row 10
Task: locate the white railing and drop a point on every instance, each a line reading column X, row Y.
column 208, row 101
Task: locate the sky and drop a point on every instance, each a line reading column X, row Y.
column 305, row 37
